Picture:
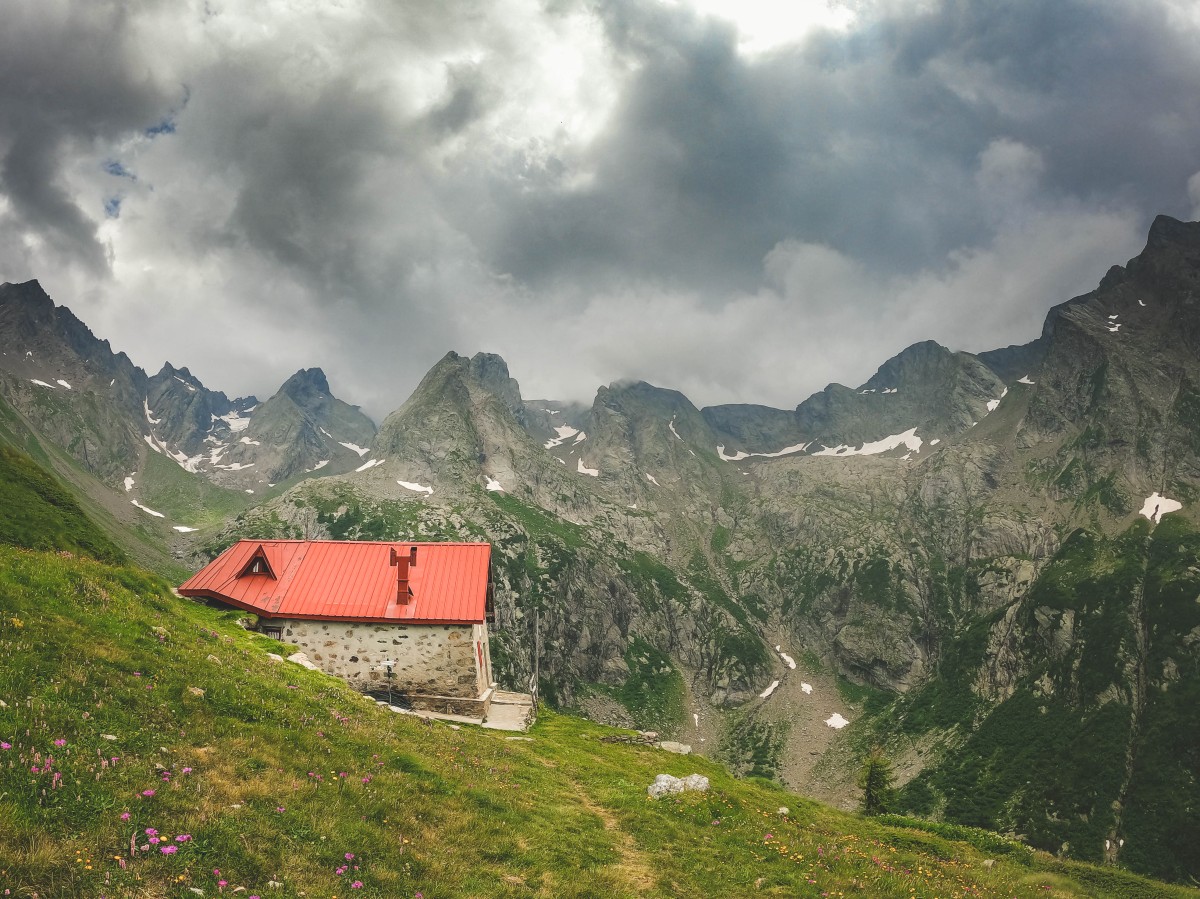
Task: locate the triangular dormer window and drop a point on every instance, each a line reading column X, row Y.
column 258, row 564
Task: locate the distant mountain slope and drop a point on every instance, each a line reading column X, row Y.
column 108, row 414
column 925, row 388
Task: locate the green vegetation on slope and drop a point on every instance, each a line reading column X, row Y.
column 38, row 512
column 653, row 693
column 1049, row 762
column 136, row 722
column 184, row 497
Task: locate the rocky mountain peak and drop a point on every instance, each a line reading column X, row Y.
column 28, row 296
column 491, row 372
column 306, row 385
column 912, row 365
column 1166, row 230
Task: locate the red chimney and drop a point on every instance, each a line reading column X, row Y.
column 402, row 563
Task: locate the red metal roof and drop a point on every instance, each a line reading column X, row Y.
column 332, row 580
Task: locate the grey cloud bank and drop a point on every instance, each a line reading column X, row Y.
column 595, row 191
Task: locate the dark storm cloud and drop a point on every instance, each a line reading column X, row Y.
column 67, row 78
column 866, row 141
column 595, row 191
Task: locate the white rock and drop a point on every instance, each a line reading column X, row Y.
column 302, row 660
column 672, row 746
column 664, row 785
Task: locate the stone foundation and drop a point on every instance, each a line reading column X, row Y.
column 452, row 705
column 439, row 661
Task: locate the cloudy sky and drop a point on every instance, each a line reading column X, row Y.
column 740, row 199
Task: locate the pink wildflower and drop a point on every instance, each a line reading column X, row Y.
column 4, row 745
column 187, row 770
column 147, row 793
column 349, row 856
column 183, row 838
column 151, row 832
column 124, row 816
column 60, row 742
column 357, row 885
column 169, row 849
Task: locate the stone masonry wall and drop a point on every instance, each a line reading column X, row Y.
column 428, row 658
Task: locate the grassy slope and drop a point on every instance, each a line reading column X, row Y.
column 251, row 771
column 40, row 512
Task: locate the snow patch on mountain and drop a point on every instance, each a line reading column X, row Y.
column 1025, row 380
column 1157, row 505
column 415, row 487
column 836, row 721
column 355, row 448
column 148, row 511
column 671, row 425
column 63, row 383
column 651, row 479
column 740, row 454
column 771, row 689
column 565, row 433
column 494, row 485
column 907, row 438
column 370, row 463
column 150, row 418
column 129, row 483
column 249, row 442
column 184, row 529
column 235, row 421
column 42, row 383
column 583, row 469
column 787, row 659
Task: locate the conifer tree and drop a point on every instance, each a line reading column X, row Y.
column 875, row 779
